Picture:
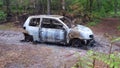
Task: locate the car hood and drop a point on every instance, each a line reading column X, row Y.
column 83, row 31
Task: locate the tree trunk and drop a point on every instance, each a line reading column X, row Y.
column 63, row 4
column 48, row 7
column 8, row 7
column 63, row 7
column 90, row 4
column 8, row 10
column 115, row 7
column 98, row 4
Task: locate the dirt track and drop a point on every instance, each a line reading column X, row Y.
column 16, row 54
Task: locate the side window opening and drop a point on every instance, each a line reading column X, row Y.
column 51, row 23
column 45, row 23
column 34, row 22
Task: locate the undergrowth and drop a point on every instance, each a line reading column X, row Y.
column 94, row 23
column 118, row 27
column 100, row 60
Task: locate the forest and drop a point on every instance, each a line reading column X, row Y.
column 88, row 10
column 101, row 16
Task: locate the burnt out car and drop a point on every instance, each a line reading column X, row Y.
column 56, row 29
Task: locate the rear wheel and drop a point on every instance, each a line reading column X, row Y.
column 75, row 43
column 28, row 37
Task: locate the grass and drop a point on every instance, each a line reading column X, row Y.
column 118, row 27
column 92, row 23
column 7, row 26
column 112, row 14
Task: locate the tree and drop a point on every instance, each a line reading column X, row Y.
column 90, row 5
column 98, row 4
column 8, row 10
column 115, row 7
column 48, row 7
column 63, row 4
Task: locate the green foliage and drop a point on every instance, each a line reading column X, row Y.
column 1, row 3
column 19, row 6
column 2, row 13
column 92, row 23
column 112, row 60
column 95, row 9
column 100, row 8
column 112, row 14
column 2, row 16
column 76, row 7
column 115, row 40
column 118, row 27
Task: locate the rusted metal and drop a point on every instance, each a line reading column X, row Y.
column 55, row 29
column 52, row 35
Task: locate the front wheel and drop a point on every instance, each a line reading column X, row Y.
column 75, row 43
column 91, row 43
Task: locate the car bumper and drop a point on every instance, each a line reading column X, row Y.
column 88, row 42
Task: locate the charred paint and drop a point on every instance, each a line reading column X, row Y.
column 53, row 34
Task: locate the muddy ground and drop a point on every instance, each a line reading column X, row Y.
column 16, row 54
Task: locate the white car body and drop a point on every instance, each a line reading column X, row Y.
column 52, row 28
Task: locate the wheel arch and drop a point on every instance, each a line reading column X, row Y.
column 74, row 39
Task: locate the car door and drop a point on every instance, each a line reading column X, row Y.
column 33, row 28
column 52, row 31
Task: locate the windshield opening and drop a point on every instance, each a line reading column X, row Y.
column 67, row 21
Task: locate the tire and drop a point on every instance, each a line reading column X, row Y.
column 75, row 43
column 28, row 38
column 92, row 43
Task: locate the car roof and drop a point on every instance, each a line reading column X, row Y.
column 47, row 16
